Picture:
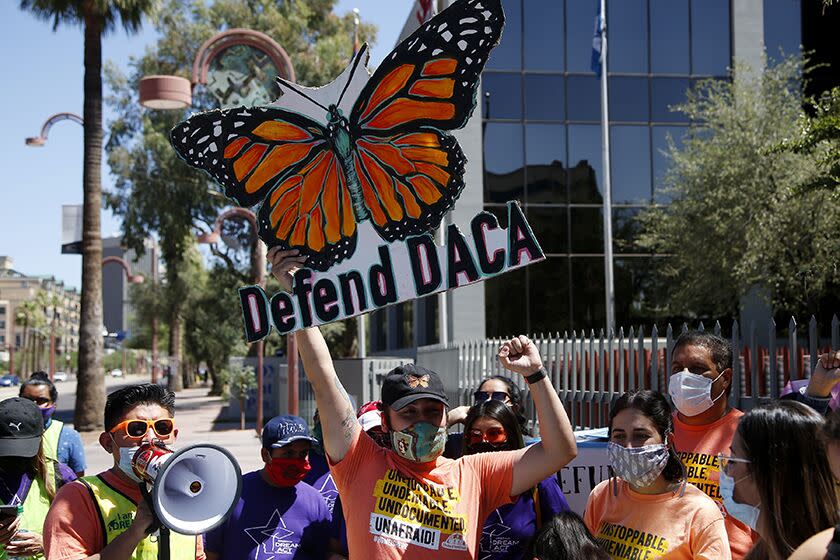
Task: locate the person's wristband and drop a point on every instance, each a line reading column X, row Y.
column 534, row 377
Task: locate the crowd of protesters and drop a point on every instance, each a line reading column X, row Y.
column 690, row 476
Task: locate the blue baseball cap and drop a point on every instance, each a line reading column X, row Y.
column 283, row 430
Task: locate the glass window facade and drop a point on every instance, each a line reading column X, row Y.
column 543, row 144
column 782, row 27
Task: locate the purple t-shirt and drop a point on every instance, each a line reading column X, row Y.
column 507, row 530
column 324, row 484
column 277, row 523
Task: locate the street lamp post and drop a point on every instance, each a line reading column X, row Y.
column 132, row 279
column 41, row 139
column 175, row 92
column 258, row 275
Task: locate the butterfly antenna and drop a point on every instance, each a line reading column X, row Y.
column 361, row 55
column 292, row 87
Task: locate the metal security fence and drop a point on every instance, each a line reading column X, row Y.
column 591, row 370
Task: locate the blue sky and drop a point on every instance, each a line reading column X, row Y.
column 43, row 72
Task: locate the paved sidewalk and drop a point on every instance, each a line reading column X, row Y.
column 195, row 415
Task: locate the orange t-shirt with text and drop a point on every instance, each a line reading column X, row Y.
column 698, row 447
column 633, row 525
column 72, row 529
column 395, row 508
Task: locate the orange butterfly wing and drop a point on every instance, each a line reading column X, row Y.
column 283, row 160
column 311, row 210
column 410, row 170
column 248, row 150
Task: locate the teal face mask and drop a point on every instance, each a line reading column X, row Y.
column 421, row 442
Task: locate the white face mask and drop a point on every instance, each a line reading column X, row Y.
column 126, row 456
column 692, row 393
column 745, row 513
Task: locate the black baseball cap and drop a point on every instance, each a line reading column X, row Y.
column 407, row 383
column 21, row 428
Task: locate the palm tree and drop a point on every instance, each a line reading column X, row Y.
column 29, row 315
column 96, row 17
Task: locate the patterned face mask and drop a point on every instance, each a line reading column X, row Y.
column 639, row 466
column 421, row 442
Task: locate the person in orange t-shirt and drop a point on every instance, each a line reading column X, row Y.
column 704, row 423
column 408, row 501
column 650, row 511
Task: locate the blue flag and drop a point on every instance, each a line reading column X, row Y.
column 596, row 43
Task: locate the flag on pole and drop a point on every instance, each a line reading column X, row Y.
column 356, row 44
column 596, row 43
column 425, row 11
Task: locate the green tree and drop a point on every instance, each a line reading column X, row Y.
column 155, row 191
column 241, row 380
column 30, row 316
column 96, row 17
column 213, row 324
column 818, row 135
column 734, row 222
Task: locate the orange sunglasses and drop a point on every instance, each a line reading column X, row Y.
column 137, row 429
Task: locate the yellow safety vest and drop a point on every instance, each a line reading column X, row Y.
column 49, row 440
column 36, row 504
column 116, row 512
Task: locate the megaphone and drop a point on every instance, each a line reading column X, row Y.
column 192, row 490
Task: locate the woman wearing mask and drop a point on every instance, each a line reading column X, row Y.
column 498, row 388
column 649, row 511
column 61, row 443
column 28, row 480
column 776, row 478
column 492, row 426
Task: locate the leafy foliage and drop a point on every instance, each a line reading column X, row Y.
column 735, row 221
column 156, row 193
column 819, row 135
column 212, row 325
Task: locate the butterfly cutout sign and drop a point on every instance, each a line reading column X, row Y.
column 364, row 161
column 319, row 161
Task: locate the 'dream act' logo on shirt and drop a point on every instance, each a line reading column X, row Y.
column 623, row 542
column 703, row 471
column 411, row 512
column 273, row 537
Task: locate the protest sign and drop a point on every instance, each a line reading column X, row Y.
column 355, row 174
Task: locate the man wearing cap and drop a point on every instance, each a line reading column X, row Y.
column 278, row 516
column 409, row 501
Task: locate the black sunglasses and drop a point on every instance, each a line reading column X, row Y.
column 481, row 396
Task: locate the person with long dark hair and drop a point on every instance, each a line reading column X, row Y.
column 28, row 479
column 826, row 543
column 776, row 478
column 498, row 388
column 61, row 442
column 648, row 510
column 493, row 426
column 565, row 537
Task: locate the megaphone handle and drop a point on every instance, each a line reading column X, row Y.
column 147, row 497
column 163, row 543
column 163, row 531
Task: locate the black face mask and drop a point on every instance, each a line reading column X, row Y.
column 486, row 447
column 15, row 466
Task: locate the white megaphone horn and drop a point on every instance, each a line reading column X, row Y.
column 193, row 489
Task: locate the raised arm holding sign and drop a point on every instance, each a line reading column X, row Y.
column 381, row 488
